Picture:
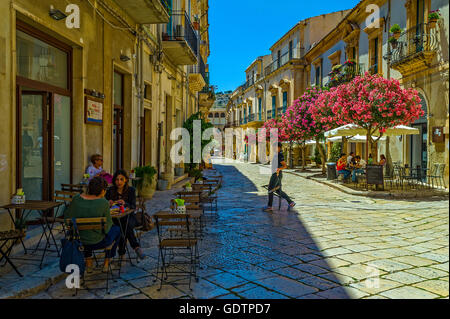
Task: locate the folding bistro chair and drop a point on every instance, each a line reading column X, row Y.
column 98, row 223
column 207, row 197
column 5, row 238
column 195, row 211
column 178, row 256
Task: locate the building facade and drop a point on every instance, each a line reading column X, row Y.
column 419, row 60
column 95, row 76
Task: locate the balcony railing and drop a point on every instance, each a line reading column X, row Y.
column 199, row 68
column 280, row 111
column 284, row 59
column 420, row 38
column 345, row 73
column 251, row 117
column 180, row 28
column 269, row 114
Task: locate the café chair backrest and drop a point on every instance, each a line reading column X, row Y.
column 97, row 223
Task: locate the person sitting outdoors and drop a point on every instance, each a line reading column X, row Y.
column 358, row 168
column 350, row 158
column 95, row 169
column 94, row 205
column 382, row 160
column 341, row 166
column 124, row 195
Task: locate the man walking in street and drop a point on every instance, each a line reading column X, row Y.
column 278, row 164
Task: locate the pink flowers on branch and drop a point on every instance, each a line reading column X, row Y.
column 372, row 102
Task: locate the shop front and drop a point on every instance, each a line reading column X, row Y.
column 43, row 112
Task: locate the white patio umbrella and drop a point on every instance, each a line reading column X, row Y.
column 353, row 139
column 353, row 130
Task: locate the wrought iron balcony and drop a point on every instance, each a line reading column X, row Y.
column 419, row 42
column 197, row 75
column 347, row 72
column 269, row 114
column 284, row 59
column 180, row 40
column 251, row 117
column 147, row 11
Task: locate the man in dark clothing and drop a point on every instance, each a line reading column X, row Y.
column 278, row 164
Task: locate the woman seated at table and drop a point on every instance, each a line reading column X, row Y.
column 95, row 169
column 124, row 195
column 358, row 167
column 382, row 160
column 93, row 205
column 341, row 166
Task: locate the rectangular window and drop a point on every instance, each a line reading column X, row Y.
column 259, row 109
column 279, row 59
column 118, row 88
column 148, row 92
column 274, row 106
column 290, row 50
column 318, row 77
column 39, row 61
column 285, row 102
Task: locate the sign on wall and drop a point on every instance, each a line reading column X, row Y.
column 93, row 110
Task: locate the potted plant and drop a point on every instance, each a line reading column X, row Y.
column 20, row 224
column 396, row 31
column 180, row 207
column 433, row 18
column 393, row 41
column 196, row 23
column 179, row 171
column 145, row 180
column 188, row 187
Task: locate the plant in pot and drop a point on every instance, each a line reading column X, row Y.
column 180, row 208
column 179, row 171
column 145, row 180
column 393, row 41
column 396, row 31
column 20, row 224
column 188, row 187
column 196, row 23
column 433, row 18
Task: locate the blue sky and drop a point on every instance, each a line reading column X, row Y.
column 242, row 30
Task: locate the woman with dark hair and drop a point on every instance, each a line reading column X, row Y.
column 92, row 205
column 124, row 195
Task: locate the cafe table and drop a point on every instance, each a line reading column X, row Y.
column 117, row 215
column 46, row 220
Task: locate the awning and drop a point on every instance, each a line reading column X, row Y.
column 353, row 139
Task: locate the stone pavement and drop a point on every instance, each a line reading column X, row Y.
column 333, row 245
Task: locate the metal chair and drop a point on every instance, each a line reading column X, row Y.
column 5, row 238
column 437, row 174
column 172, row 259
column 98, row 223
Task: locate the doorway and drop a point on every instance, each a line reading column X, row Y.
column 43, row 113
column 418, row 150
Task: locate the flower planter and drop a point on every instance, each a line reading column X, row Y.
column 432, row 23
column 162, row 184
column 179, row 171
column 196, row 25
column 397, row 35
column 148, row 188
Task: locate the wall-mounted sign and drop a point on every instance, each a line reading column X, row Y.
column 438, row 134
column 93, row 110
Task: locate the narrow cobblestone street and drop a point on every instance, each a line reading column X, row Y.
column 331, row 246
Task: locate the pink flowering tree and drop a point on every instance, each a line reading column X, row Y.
column 372, row 102
column 304, row 118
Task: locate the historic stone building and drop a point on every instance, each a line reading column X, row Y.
column 95, row 76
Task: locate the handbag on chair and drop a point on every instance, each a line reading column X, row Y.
column 72, row 251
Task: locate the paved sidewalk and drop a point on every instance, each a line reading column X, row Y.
column 334, row 245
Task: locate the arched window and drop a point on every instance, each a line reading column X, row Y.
column 216, row 115
column 222, row 114
column 210, row 115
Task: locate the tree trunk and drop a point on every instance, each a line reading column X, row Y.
column 303, row 156
column 322, row 155
column 291, row 160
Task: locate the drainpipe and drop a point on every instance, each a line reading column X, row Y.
column 141, row 98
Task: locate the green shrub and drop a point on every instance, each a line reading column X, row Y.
column 335, row 152
column 395, row 29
